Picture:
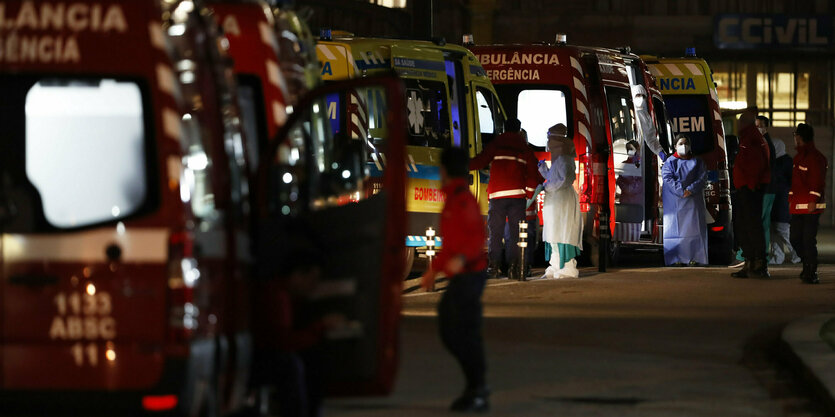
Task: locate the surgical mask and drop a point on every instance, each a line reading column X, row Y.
column 639, row 102
column 630, row 152
column 762, row 130
column 682, row 149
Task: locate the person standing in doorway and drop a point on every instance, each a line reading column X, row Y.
column 562, row 227
column 781, row 181
column 462, row 260
column 751, row 175
column 806, row 200
column 685, row 230
column 513, row 177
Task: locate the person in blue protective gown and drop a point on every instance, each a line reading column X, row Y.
column 685, row 232
column 562, row 226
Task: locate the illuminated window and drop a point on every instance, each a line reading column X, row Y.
column 397, row 4
column 539, row 110
column 85, row 150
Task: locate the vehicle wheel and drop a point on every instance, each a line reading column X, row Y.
column 720, row 253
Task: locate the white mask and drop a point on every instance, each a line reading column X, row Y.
column 639, row 102
column 682, row 149
column 630, row 152
column 762, row 130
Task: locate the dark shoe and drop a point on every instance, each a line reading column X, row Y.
column 514, row 272
column 492, row 270
column 472, row 402
column 743, row 273
column 760, row 268
column 804, row 274
column 812, row 275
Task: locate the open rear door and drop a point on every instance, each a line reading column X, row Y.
column 317, row 196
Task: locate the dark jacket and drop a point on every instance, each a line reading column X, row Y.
column 772, row 158
column 513, row 167
column 808, row 181
column 751, row 166
column 781, row 182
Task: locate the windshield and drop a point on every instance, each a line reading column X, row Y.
column 688, row 114
column 538, row 108
column 75, row 151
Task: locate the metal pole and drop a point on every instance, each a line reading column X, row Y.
column 430, row 250
column 431, row 18
column 523, row 245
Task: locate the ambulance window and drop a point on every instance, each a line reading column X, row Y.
column 665, row 130
column 538, row 110
column 251, row 104
column 428, row 114
column 490, row 118
column 86, row 150
column 621, row 120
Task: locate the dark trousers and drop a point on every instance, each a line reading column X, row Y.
column 803, row 236
column 460, row 321
column 501, row 211
column 748, row 226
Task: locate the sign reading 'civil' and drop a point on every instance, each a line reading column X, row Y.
column 754, row 31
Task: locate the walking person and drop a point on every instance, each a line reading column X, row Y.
column 462, row 260
column 685, row 228
column 562, row 227
column 751, row 176
column 513, row 177
column 781, row 181
column 806, row 200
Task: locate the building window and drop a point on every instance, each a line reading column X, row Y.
column 780, row 91
column 394, row 4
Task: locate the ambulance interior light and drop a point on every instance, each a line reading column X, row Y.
column 690, row 52
column 468, row 39
column 562, row 39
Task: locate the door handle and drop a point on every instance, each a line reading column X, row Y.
column 33, row 280
column 472, row 179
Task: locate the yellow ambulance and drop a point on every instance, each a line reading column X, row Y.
column 693, row 108
column 450, row 102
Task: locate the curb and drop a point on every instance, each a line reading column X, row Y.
column 812, row 357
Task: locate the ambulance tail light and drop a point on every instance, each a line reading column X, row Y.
column 584, row 181
column 183, row 275
column 159, row 402
column 468, row 40
column 717, row 228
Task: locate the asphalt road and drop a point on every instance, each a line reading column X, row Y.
column 631, row 342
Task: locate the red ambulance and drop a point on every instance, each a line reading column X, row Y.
column 589, row 90
column 127, row 213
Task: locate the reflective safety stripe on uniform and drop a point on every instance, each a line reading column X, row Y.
column 510, row 158
column 806, row 206
column 507, row 193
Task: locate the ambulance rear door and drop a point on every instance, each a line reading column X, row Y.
column 314, row 211
column 488, row 123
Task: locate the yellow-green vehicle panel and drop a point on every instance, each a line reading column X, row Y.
column 450, row 102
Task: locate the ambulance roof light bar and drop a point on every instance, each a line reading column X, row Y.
column 468, row 40
column 562, row 39
column 690, row 52
column 325, row 34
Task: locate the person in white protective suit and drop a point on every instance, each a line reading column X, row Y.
column 685, row 231
column 562, row 222
column 646, row 125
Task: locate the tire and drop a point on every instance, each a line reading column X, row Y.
column 720, row 253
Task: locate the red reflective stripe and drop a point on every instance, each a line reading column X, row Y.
column 159, row 402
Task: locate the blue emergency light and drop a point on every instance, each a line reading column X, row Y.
column 325, row 34
column 690, row 52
